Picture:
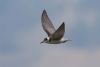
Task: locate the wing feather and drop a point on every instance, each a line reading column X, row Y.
column 47, row 24
column 59, row 33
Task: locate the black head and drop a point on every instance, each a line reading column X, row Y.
column 45, row 40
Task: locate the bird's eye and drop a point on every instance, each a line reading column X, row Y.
column 45, row 39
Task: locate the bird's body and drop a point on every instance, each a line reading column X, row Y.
column 55, row 41
column 54, row 36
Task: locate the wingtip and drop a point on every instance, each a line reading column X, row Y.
column 63, row 23
column 44, row 11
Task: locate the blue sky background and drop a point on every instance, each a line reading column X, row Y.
column 21, row 33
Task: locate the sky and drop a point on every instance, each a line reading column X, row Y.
column 21, row 33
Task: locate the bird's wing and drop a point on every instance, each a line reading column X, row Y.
column 47, row 24
column 59, row 33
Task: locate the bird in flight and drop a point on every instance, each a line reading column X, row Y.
column 54, row 36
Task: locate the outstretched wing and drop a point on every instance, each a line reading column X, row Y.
column 59, row 33
column 47, row 24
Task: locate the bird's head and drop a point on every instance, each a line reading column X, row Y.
column 45, row 40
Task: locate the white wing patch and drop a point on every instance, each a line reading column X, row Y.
column 48, row 38
column 63, row 39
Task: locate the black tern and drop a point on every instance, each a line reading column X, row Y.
column 54, row 36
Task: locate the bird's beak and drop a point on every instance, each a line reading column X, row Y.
column 42, row 42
